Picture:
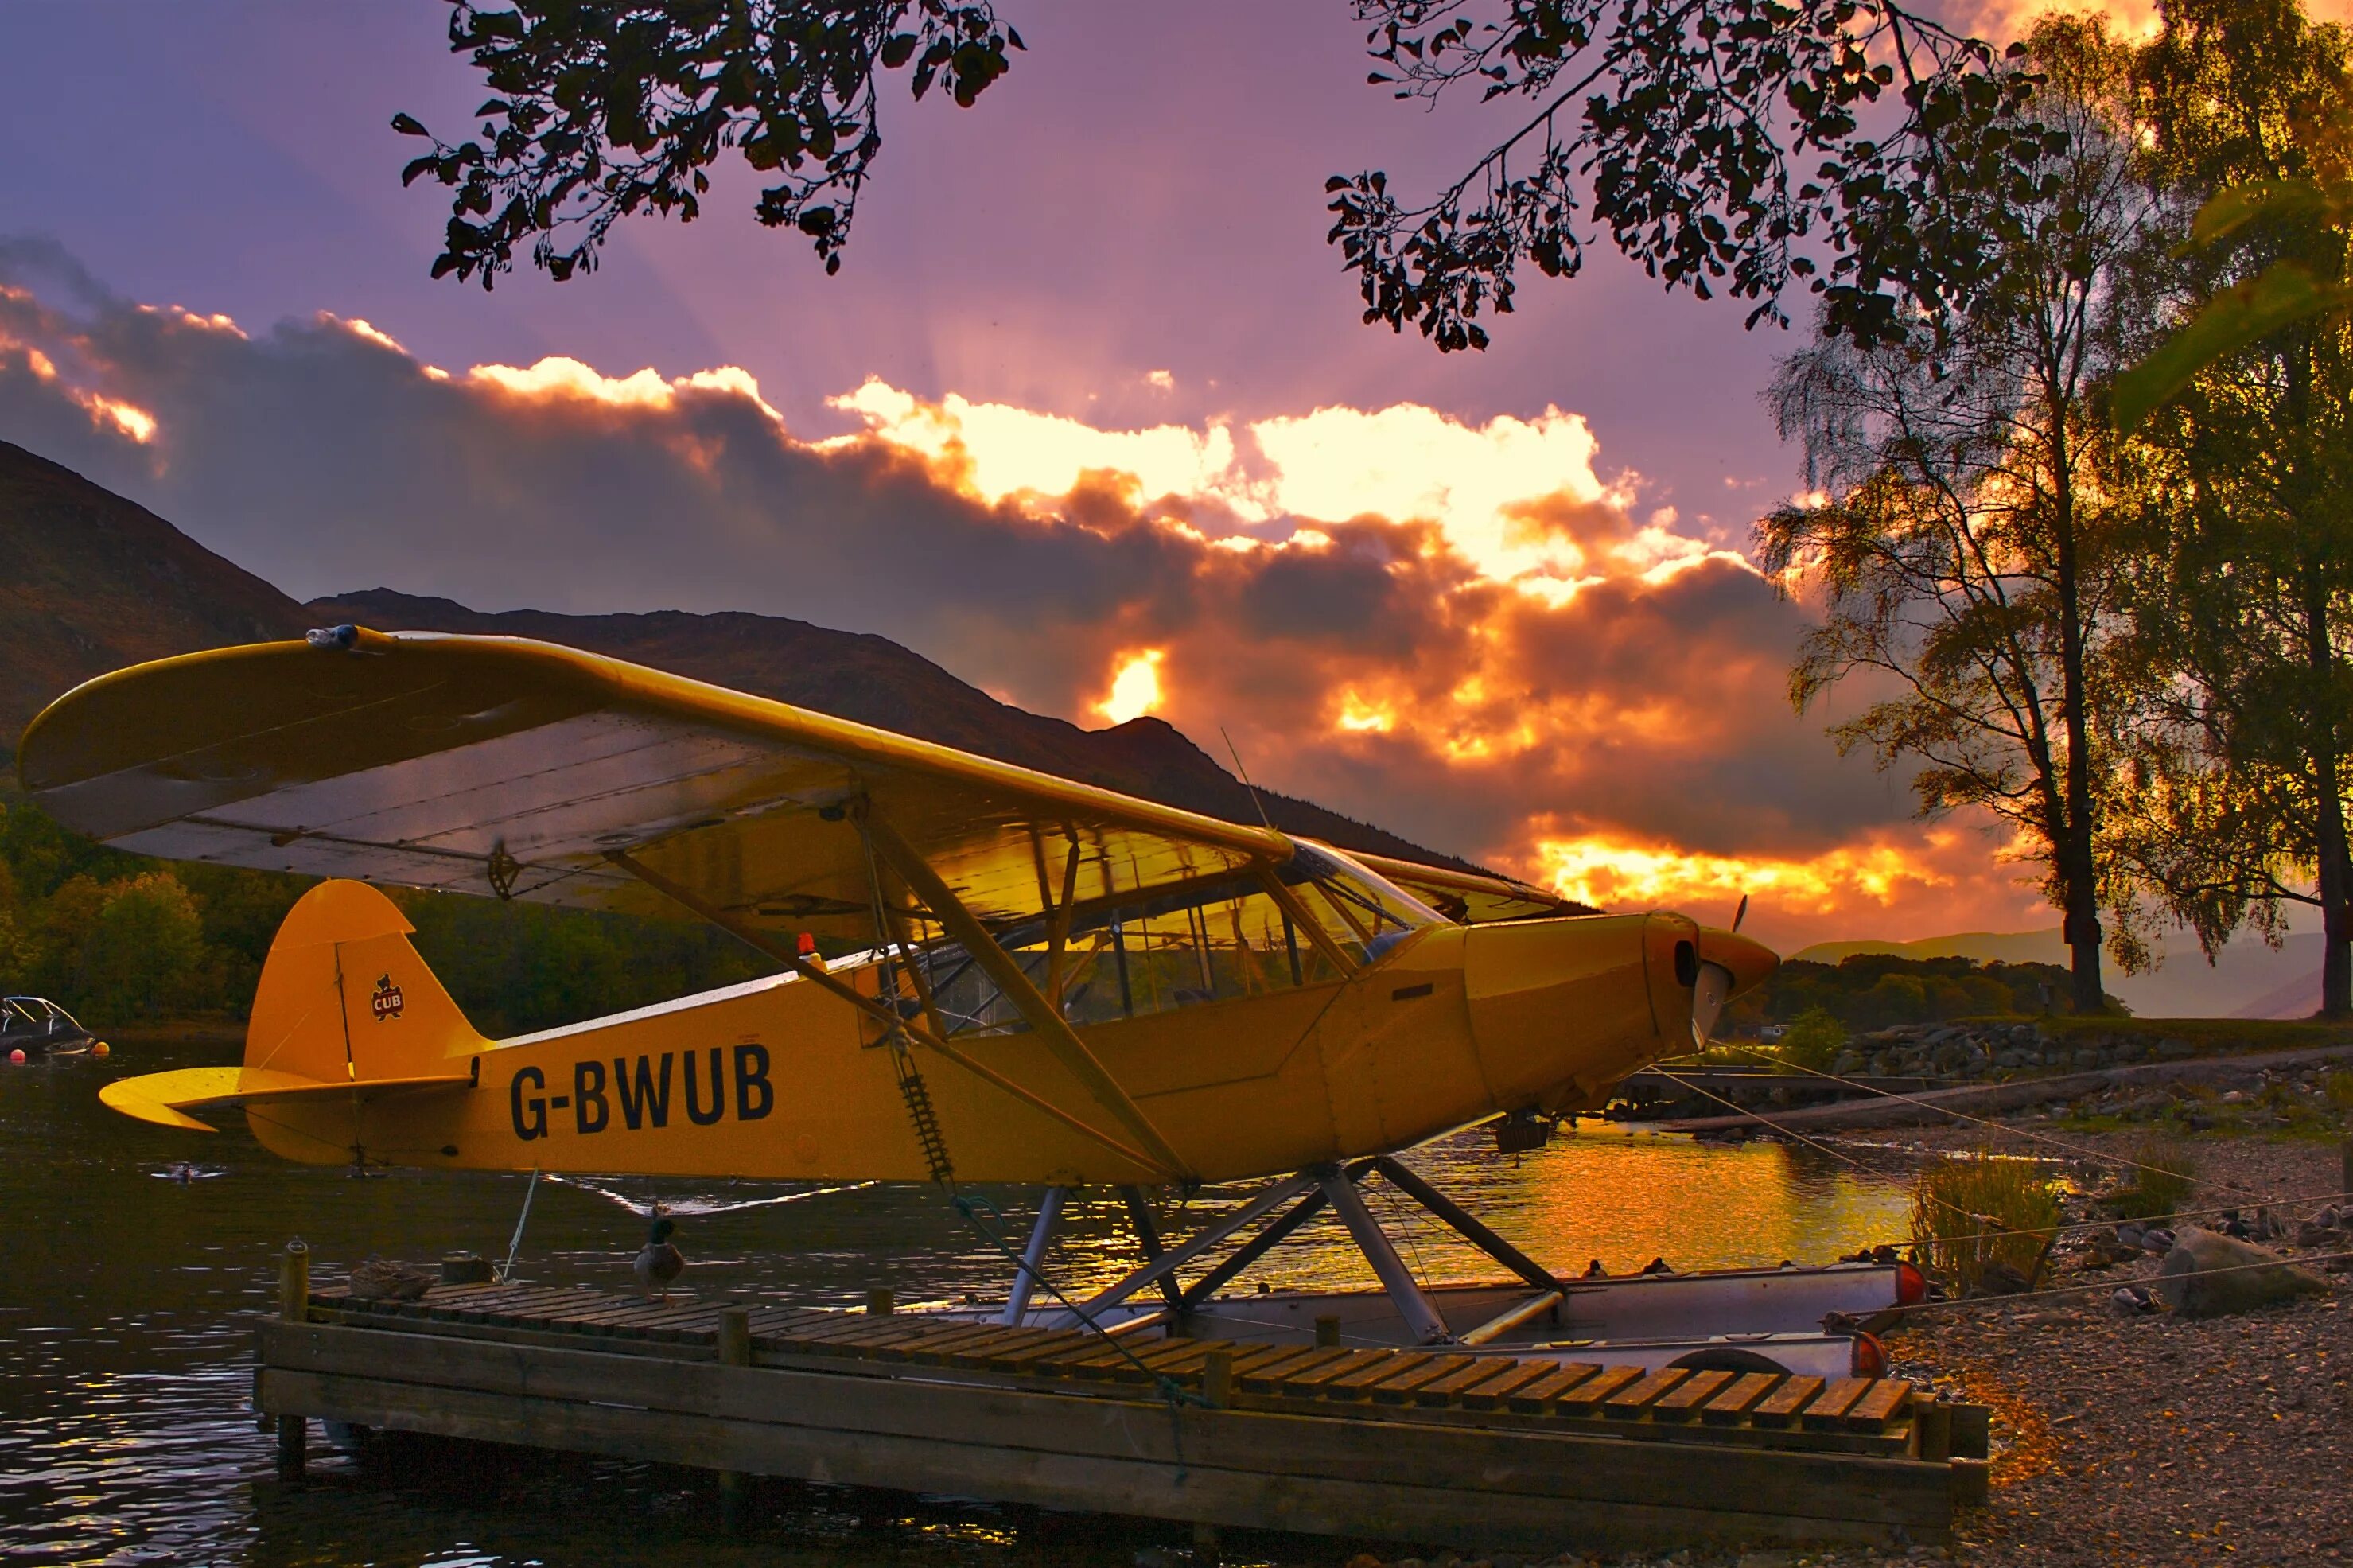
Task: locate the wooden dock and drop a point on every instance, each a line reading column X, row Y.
column 1441, row 1447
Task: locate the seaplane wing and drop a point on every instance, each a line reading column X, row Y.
column 513, row 769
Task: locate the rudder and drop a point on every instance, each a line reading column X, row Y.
column 344, row 997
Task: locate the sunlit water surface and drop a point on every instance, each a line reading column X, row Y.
column 127, row 1301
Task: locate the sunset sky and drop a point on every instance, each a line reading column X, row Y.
column 1089, row 418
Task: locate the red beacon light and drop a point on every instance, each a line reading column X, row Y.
column 806, row 945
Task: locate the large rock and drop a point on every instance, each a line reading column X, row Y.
column 2259, row 1277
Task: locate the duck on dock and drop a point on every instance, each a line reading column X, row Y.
column 382, row 1279
column 660, row 1261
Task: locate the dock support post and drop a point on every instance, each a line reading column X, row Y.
column 1420, row 1316
column 734, row 1343
column 1217, row 1379
column 294, row 1307
column 1033, row 1257
column 880, row 1302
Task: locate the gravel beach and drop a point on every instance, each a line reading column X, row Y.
column 2147, row 1439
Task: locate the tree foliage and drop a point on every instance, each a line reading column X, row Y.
column 1740, row 145
column 1960, row 546
column 1716, row 139
column 2242, row 569
column 600, row 110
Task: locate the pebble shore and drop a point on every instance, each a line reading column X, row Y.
column 2130, row 1438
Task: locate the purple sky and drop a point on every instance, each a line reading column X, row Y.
column 1143, row 191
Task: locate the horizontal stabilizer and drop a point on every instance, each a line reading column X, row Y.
column 164, row 1099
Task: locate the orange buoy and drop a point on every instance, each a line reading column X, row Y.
column 17, row 1055
column 99, row 1049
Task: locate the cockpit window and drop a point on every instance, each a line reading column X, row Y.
column 1364, row 913
column 1213, row 940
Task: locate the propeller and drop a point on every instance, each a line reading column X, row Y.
column 1709, row 993
column 1712, row 988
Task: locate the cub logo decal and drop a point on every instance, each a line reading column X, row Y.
column 387, row 1002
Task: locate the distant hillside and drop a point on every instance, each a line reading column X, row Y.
column 90, row 582
column 1982, row 946
column 2247, row 979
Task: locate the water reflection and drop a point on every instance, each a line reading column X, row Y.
column 126, row 1435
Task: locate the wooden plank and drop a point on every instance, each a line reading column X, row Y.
column 1888, row 1398
column 1400, row 1506
column 936, row 1343
column 1055, row 1342
column 1267, row 1376
column 1779, row 1407
column 1552, row 1461
column 532, row 1301
column 509, row 1306
column 1833, row 1401
column 1586, row 1398
column 1633, row 1399
column 1398, row 1388
column 852, row 1330
column 1312, row 1379
column 985, row 1353
column 1496, row 1393
column 1472, row 1372
column 1090, row 1364
column 1536, row 1398
column 1683, row 1402
column 1732, row 1406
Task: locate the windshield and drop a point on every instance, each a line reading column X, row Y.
column 1363, row 911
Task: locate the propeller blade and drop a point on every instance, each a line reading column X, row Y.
column 1740, row 914
column 1709, row 993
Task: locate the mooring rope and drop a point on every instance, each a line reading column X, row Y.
column 2078, row 1149
column 506, row 1272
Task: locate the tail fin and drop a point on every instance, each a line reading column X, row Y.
column 344, row 998
column 346, row 1010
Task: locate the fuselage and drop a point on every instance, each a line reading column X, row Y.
column 780, row 1079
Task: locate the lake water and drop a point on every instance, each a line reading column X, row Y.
column 127, row 1301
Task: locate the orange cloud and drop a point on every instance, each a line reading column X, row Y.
column 1466, row 632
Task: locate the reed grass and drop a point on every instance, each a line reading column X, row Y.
column 2161, row 1185
column 1979, row 1209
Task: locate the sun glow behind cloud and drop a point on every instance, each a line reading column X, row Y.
column 1135, row 687
column 1518, row 499
column 1618, row 872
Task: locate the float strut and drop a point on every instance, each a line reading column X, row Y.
column 1147, row 1235
column 1420, row 1318
column 1466, row 1225
column 1033, row 1257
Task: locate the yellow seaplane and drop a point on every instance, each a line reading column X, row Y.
column 1029, row 980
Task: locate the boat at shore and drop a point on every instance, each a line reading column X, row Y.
column 39, row 1027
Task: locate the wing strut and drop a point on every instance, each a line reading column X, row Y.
column 1052, row 1028
column 817, row 975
